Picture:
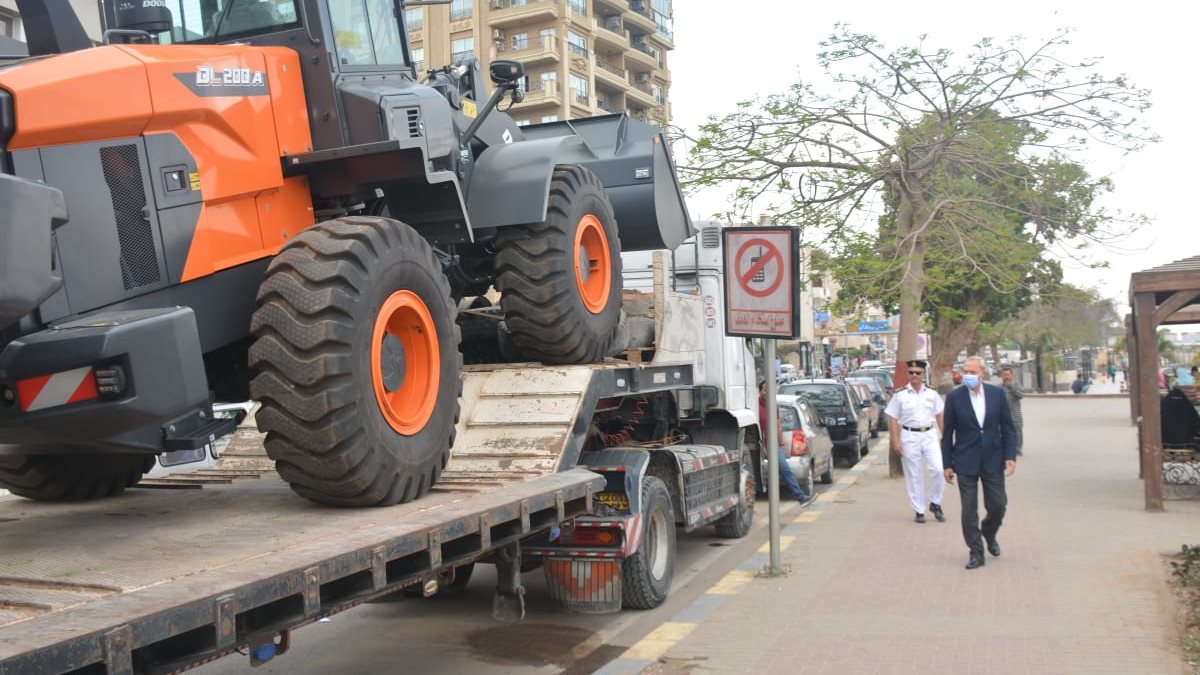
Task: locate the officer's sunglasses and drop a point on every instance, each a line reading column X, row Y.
column 916, row 372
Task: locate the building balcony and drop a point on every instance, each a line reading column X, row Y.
column 639, row 92
column 609, row 6
column 546, row 93
column 531, row 52
column 638, row 14
column 507, row 13
column 614, row 76
column 642, row 54
column 578, row 16
column 663, row 38
column 611, row 32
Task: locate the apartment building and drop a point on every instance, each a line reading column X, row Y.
column 11, row 26
column 581, row 57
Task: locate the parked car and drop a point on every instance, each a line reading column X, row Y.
column 808, row 446
column 865, row 404
column 877, row 396
column 881, row 376
column 842, row 412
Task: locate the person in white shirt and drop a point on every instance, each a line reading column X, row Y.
column 917, row 411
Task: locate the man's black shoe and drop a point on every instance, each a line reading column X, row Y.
column 994, row 548
column 975, row 561
column 920, row 518
column 937, row 512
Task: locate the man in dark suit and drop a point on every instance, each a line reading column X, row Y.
column 979, row 443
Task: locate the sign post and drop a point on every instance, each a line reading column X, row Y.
column 762, row 267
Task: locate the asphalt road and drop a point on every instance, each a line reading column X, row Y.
column 457, row 634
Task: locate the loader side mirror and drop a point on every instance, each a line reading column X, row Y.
column 506, row 72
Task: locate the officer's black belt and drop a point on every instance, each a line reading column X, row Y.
column 916, row 428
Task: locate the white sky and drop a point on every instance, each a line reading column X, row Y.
column 732, row 51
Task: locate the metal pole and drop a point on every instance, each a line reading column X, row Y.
column 772, row 443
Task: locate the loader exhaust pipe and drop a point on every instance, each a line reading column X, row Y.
column 52, row 27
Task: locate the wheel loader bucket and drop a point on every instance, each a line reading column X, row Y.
column 632, row 161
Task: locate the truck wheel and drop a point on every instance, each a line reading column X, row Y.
column 560, row 280
column 736, row 524
column 71, row 477
column 356, row 351
column 646, row 575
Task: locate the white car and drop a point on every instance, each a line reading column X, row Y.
column 807, row 446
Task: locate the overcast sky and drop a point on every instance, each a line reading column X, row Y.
column 731, row 51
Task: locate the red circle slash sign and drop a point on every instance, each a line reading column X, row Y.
column 769, row 253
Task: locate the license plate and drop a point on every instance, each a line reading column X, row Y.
column 617, row 500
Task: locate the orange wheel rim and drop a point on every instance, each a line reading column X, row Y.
column 593, row 266
column 405, row 362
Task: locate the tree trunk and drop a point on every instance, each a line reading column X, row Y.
column 912, row 291
column 996, row 358
column 953, row 336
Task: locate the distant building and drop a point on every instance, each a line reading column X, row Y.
column 13, row 28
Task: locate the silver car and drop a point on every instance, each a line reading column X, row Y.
column 807, row 445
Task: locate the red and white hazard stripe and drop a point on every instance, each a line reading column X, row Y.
column 48, row 391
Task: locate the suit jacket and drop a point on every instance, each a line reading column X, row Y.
column 969, row 449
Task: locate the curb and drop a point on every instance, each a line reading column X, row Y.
column 646, row 652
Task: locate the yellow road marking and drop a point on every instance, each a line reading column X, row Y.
column 659, row 641
column 731, row 583
column 785, row 540
column 847, row 480
column 808, row 516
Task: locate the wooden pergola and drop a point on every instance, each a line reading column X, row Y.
column 1160, row 296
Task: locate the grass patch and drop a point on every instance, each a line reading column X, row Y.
column 1186, row 571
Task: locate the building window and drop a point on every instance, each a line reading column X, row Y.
column 418, row 56
column 549, row 118
column 661, row 11
column 580, row 86
column 462, row 50
column 546, row 81
column 414, row 19
column 548, row 32
column 462, row 9
column 7, row 26
column 520, row 42
column 578, row 6
column 656, row 90
column 577, row 44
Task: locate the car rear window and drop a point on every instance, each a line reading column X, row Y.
column 788, row 418
column 822, row 395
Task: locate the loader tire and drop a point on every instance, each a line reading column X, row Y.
column 560, row 280
column 356, row 353
column 71, row 477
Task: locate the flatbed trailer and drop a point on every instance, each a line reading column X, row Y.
column 161, row 579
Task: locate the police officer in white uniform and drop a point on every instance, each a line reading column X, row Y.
column 917, row 411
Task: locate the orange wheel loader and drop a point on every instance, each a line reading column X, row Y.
column 234, row 199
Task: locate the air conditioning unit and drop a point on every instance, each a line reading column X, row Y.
column 497, row 34
column 642, row 78
column 497, row 4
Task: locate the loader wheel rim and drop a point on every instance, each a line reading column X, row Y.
column 405, row 362
column 593, row 264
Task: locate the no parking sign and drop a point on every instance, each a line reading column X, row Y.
column 762, row 265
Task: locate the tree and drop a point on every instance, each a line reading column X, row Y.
column 908, row 127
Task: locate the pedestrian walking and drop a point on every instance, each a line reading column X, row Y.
column 979, row 444
column 1013, row 393
column 917, row 412
column 785, row 473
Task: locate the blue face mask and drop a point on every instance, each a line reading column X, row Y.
column 970, row 380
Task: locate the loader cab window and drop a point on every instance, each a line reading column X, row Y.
column 366, row 33
column 208, row 21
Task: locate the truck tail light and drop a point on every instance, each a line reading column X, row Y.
column 49, row 391
column 595, row 536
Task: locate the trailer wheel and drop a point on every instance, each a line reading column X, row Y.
column 736, row 524
column 646, row 575
column 560, row 280
column 356, row 350
column 71, row 477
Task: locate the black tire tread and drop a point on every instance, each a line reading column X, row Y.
column 71, row 477
column 304, row 357
column 637, row 587
column 535, row 275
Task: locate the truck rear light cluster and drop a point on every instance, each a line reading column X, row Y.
column 592, row 536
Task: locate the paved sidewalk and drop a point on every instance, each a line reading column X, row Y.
column 1081, row 586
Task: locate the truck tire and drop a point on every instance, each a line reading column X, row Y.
column 71, row 477
column 560, row 280
column 736, row 524
column 646, row 575
column 356, row 353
